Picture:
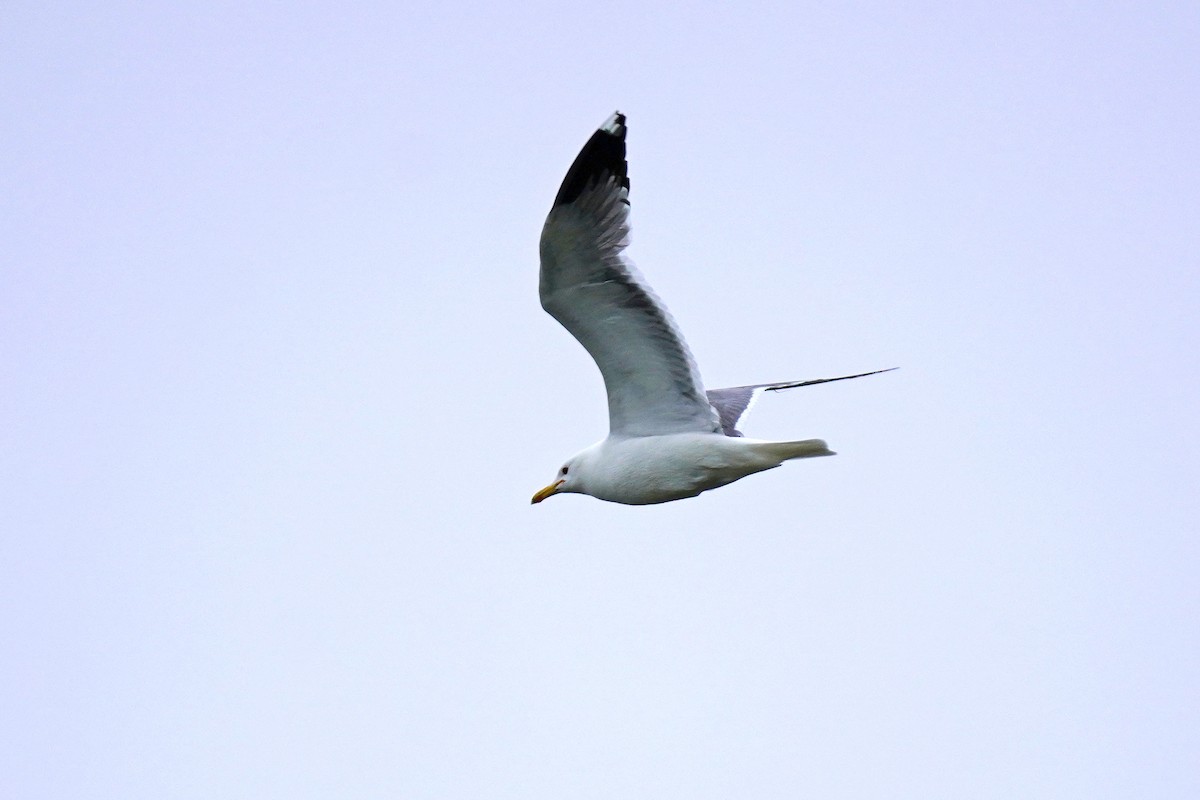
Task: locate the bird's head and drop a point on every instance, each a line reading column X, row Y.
column 564, row 481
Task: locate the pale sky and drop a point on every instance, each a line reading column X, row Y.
column 278, row 389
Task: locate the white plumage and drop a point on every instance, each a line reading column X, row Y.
column 668, row 439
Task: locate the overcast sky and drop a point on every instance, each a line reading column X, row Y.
column 277, row 390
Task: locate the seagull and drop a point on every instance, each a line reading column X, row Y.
column 668, row 438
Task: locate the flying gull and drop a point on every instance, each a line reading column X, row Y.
column 668, row 438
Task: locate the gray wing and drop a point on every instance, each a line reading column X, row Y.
column 732, row 404
column 652, row 380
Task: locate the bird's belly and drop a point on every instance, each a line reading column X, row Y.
column 664, row 468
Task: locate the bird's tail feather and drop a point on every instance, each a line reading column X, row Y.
column 808, row 448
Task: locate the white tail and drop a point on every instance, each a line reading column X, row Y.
column 809, row 448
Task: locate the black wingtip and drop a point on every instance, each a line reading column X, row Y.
column 604, row 154
column 797, row 384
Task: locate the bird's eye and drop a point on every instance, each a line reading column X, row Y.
column 563, row 471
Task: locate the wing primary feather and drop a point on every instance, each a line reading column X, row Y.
column 731, row 404
column 778, row 387
column 604, row 154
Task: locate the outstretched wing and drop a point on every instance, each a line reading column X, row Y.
column 586, row 284
column 733, row 403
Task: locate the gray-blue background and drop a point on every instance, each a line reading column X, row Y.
column 276, row 390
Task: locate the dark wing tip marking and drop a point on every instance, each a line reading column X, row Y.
column 604, row 154
column 776, row 387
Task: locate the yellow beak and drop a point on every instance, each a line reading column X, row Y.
column 544, row 493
